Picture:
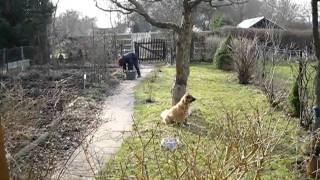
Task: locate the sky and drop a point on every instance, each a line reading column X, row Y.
column 88, row 8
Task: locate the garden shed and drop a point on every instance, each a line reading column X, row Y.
column 260, row 23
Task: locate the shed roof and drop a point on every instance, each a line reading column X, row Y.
column 249, row 22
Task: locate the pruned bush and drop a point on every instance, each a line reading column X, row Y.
column 245, row 55
column 222, row 57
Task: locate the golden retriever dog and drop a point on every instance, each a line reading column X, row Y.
column 179, row 112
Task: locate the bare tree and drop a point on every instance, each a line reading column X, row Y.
column 183, row 31
column 4, row 170
column 283, row 12
column 71, row 24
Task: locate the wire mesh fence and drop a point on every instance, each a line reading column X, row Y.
column 18, row 57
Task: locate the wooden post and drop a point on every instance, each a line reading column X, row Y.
column 4, row 61
column 192, row 49
column 172, row 48
column 300, row 88
column 115, row 50
column 4, row 168
column 92, row 36
column 164, row 48
column 22, row 58
column 136, row 50
column 121, row 49
column 22, row 53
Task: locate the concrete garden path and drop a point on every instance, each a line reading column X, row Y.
column 88, row 159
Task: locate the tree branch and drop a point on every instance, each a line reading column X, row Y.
column 229, row 3
column 218, row 3
column 195, row 3
column 127, row 10
column 138, row 8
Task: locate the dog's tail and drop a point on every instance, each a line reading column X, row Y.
column 164, row 114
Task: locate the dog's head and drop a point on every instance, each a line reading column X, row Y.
column 188, row 99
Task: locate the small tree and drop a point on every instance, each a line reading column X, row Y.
column 216, row 22
column 222, row 57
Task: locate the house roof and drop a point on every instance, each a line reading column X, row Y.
column 249, row 22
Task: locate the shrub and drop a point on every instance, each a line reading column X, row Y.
column 222, row 56
column 245, row 55
column 294, row 99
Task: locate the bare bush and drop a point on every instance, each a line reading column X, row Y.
column 302, row 100
column 245, row 55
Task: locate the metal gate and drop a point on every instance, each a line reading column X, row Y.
column 151, row 50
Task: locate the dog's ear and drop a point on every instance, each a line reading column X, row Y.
column 190, row 98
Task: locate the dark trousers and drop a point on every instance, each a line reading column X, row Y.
column 134, row 62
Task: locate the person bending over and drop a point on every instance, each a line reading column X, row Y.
column 128, row 61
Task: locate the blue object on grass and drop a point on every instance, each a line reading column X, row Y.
column 169, row 143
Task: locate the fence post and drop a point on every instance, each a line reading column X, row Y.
column 114, row 48
column 4, row 69
column 172, row 48
column 192, row 48
column 22, row 53
column 164, row 49
column 136, row 50
column 121, row 49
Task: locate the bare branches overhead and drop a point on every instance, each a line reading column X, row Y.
column 218, row 3
column 130, row 6
column 122, row 9
column 135, row 6
column 140, row 10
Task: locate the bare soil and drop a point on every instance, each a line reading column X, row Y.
column 48, row 110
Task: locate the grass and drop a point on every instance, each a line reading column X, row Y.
column 286, row 73
column 220, row 100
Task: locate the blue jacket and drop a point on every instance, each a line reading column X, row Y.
column 130, row 59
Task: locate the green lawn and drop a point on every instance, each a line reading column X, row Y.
column 233, row 133
column 286, row 73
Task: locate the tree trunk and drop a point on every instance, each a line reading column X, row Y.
column 182, row 56
column 8, row 7
column 4, row 169
column 316, row 39
column 312, row 165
